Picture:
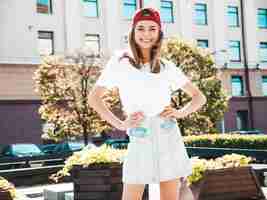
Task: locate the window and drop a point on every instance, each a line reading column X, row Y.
column 263, row 52
column 203, row 43
column 237, row 86
column 166, row 11
column 201, row 14
column 44, row 6
column 242, row 120
column 262, row 18
column 46, row 43
column 90, row 8
column 129, row 7
column 234, row 51
column 264, row 85
column 92, row 41
column 233, row 20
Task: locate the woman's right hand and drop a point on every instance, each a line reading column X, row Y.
column 133, row 120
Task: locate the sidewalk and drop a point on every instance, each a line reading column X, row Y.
column 154, row 191
column 36, row 192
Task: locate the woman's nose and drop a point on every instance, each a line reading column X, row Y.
column 147, row 33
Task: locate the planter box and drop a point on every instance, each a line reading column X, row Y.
column 5, row 195
column 103, row 182
column 238, row 183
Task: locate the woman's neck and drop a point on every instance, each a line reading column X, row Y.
column 146, row 55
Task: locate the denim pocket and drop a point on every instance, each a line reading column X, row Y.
column 167, row 125
column 140, row 132
column 143, row 130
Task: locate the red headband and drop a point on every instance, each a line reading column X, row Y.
column 146, row 14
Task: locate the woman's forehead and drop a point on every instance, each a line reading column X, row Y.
column 147, row 23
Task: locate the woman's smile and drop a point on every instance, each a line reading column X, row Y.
column 147, row 42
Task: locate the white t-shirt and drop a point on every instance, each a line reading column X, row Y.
column 142, row 90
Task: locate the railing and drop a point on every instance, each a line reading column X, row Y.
column 40, row 175
column 7, row 163
column 32, row 176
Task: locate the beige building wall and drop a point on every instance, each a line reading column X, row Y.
column 16, row 82
column 20, row 23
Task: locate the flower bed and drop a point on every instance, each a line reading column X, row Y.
column 97, row 173
column 8, row 191
column 229, row 183
column 97, row 181
column 228, row 177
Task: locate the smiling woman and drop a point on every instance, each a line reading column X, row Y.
column 156, row 152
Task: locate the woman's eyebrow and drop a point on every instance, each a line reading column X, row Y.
column 141, row 26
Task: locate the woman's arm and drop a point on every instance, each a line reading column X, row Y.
column 95, row 101
column 198, row 100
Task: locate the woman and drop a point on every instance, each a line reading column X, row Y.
column 156, row 152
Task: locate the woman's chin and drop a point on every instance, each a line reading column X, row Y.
column 145, row 46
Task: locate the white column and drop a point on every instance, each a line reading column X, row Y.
column 113, row 16
column 152, row 3
column 73, row 10
column 219, row 26
column 185, row 18
column 251, row 32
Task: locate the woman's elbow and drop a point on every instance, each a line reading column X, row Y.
column 95, row 95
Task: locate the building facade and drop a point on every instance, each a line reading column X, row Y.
column 234, row 30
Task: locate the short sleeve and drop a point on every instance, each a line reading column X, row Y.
column 177, row 77
column 109, row 76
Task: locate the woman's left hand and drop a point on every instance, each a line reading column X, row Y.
column 170, row 112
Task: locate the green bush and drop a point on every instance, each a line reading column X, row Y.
column 227, row 141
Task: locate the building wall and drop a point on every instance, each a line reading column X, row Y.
column 237, row 104
column 54, row 22
column 16, row 82
column 20, row 121
column 19, row 55
column 17, row 37
column 261, row 33
column 70, row 26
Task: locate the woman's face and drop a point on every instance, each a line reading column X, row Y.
column 146, row 33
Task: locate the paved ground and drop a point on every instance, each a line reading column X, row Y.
column 36, row 192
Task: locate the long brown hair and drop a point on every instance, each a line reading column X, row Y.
column 137, row 56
